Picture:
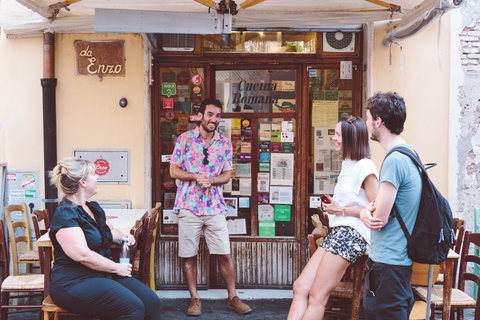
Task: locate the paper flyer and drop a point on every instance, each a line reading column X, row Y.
column 282, row 169
column 323, row 137
column 237, row 226
column 232, row 207
column 324, row 113
column 281, row 195
column 169, row 217
column 324, row 183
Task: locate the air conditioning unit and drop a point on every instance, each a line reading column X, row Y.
column 339, row 41
column 178, row 42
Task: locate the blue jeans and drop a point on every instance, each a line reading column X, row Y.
column 108, row 298
column 388, row 294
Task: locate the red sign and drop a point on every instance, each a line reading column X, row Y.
column 197, row 79
column 168, row 184
column 167, row 103
column 102, row 167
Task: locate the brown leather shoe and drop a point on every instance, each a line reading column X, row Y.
column 239, row 306
column 195, row 308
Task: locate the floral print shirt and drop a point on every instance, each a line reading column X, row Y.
column 189, row 156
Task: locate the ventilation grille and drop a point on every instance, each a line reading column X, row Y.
column 339, row 41
column 178, row 42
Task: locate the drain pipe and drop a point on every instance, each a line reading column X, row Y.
column 49, row 83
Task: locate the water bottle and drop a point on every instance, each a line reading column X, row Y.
column 125, row 254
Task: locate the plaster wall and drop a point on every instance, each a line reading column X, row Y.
column 421, row 77
column 88, row 111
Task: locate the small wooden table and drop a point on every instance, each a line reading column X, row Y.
column 122, row 219
column 447, row 282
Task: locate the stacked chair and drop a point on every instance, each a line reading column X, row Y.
column 29, row 284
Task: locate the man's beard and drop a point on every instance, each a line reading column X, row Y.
column 206, row 128
column 374, row 134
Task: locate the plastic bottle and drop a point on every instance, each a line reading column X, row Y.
column 125, row 254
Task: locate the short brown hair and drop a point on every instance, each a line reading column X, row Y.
column 355, row 138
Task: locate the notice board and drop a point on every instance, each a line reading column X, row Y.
column 23, row 186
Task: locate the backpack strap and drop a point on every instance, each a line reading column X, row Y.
column 416, row 160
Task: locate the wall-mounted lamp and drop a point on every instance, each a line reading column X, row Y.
column 123, row 102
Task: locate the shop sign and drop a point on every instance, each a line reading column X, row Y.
column 169, row 89
column 168, row 103
column 100, row 58
column 197, row 79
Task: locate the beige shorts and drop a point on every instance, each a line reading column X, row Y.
column 191, row 226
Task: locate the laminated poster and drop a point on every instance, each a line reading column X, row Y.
column 265, row 212
column 324, row 113
column 282, row 169
column 265, row 131
column 232, row 207
column 263, row 182
column 236, row 123
column 281, row 195
column 264, row 157
column 286, row 137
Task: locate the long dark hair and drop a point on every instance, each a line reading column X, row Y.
column 355, row 138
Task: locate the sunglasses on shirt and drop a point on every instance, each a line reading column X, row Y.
column 205, row 153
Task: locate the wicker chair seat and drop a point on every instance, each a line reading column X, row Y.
column 23, row 282
column 459, row 298
column 30, row 256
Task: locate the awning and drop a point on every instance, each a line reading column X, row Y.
column 31, row 17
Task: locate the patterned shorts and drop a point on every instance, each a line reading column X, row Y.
column 345, row 242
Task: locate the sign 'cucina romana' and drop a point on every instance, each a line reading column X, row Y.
column 261, row 93
column 100, row 58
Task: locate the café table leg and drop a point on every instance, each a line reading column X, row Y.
column 447, row 289
column 48, row 269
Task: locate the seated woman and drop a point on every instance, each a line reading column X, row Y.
column 356, row 187
column 85, row 279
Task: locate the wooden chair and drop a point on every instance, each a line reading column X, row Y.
column 459, row 299
column 149, row 226
column 29, row 284
column 350, row 290
column 158, row 206
column 42, row 215
column 30, row 256
column 420, row 278
column 136, row 232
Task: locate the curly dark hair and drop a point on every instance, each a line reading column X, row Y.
column 207, row 102
column 390, row 107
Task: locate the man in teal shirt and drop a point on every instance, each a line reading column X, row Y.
column 388, row 294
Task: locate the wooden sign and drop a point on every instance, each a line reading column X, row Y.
column 100, row 58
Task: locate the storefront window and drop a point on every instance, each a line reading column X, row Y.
column 253, row 91
column 264, row 42
column 182, row 91
column 330, row 99
column 261, row 192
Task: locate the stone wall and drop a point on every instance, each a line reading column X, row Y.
column 465, row 114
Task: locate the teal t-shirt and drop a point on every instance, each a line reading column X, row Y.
column 389, row 245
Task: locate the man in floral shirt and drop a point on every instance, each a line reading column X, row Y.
column 202, row 163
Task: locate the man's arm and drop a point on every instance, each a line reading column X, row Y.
column 375, row 215
column 178, row 173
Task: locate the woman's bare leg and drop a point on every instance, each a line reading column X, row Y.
column 330, row 271
column 302, row 286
